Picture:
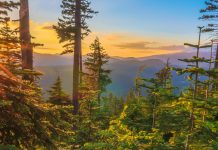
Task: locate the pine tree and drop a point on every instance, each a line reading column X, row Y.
column 159, row 90
column 137, row 127
column 9, row 47
column 95, row 62
column 93, row 116
column 71, row 29
column 5, row 7
column 19, row 100
column 209, row 14
column 88, row 120
column 57, row 95
column 25, row 120
column 9, row 43
column 200, row 102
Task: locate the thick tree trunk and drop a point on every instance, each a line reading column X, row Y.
column 77, row 51
column 25, row 37
column 216, row 63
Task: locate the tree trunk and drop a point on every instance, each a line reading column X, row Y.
column 80, row 65
column 154, row 112
column 216, row 63
column 99, row 82
column 197, row 64
column 25, row 37
column 77, row 50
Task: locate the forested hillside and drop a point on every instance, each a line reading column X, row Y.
column 94, row 101
column 123, row 74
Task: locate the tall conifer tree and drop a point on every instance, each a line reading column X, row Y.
column 95, row 64
column 25, row 37
column 71, row 29
column 210, row 15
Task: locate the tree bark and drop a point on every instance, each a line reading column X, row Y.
column 216, row 63
column 80, row 65
column 77, row 51
column 25, row 37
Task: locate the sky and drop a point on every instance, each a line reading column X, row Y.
column 126, row 28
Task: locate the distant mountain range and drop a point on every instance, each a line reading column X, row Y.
column 63, row 60
column 124, row 70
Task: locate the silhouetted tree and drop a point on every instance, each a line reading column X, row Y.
column 95, row 63
column 210, row 15
column 71, row 29
column 56, row 94
column 6, row 6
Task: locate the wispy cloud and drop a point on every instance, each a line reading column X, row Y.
column 145, row 45
column 169, row 47
column 50, row 27
column 134, row 45
column 116, row 44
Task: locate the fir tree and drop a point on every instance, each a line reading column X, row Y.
column 209, row 15
column 57, row 95
column 25, row 120
column 159, row 89
column 201, row 109
column 5, row 7
column 95, row 64
column 71, row 29
column 9, row 47
column 92, row 113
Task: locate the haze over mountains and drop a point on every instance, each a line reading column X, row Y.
column 124, row 70
column 63, row 60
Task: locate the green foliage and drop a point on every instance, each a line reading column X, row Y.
column 209, row 14
column 5, row 7
column 161, row 120
column 94, row 110
column 95, row 64
column 151, row 117
column 66, row 27
column 8, row 147
column 57, row 95
column 25, row 120
column 112, row 105
column 9, row 47
column 118, row 136
column 60, row 121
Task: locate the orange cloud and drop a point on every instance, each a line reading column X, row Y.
column 116, row 44
column 46, row 36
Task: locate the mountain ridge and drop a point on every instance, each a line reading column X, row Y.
column 60, row 60
column 124, row 70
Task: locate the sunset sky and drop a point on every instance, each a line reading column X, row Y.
column 126, row 28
